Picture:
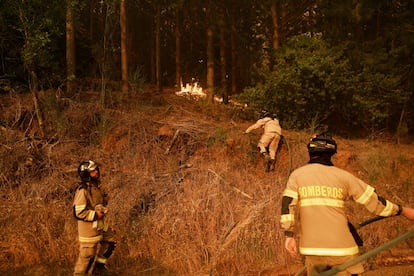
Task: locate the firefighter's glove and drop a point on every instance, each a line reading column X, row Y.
column 100, row 210
column 100, row 214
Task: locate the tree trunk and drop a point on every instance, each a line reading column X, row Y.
column 33, row 81
column 124, row 56
column 233, row 50
column 70, row 48
column 158, row 50
column 275, row 22
column 210, row 64
column 283, row 21
column 223, row 60
column 275, row 37
column 104, row 55
column 34, row 89
column 178, row 48
column 152, row 57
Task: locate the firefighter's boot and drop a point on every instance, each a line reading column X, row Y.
column 101, row 270
column 270, row 165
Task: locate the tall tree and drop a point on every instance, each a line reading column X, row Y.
column 37, row 24
column 158, row 48
column 124, row 55
column 178, row 15
column 223, row 57
column 275, row 24
column 70, row 46
column 107, row 42
column 210, row 53
column 233, row 56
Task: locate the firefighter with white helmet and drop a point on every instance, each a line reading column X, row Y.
column 89, row 208
column 269, row 141
column 319, row 191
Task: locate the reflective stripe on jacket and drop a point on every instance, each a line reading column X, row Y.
column 319, row 192
column 85, row 200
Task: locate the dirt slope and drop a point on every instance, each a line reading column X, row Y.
column 189, row 194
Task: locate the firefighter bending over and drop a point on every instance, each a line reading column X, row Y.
column 89, row 207
column 319, row 190
column 269, row 142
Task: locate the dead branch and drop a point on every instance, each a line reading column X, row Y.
column 231, row 186
column 172, row 141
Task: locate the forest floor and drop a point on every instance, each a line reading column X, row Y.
column 151, row 129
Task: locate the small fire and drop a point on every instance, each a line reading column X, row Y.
column 192, row 89
column 195, row 91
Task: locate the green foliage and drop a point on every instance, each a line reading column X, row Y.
column 137, row 79
column 376, row 166
column 380, row 86
column 313, row 83
column 54, row 113
column 308, row 82
column 357, row 74
column 252, row 153
column 102, row 124
column 41, row 26
column 219, row 136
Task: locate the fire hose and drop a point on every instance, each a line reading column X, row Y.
column 358, row 240
column 367, row 255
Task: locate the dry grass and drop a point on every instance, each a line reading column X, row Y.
column 204, row 207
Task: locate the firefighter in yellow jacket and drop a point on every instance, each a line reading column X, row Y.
column 269, row 141
column 89, row 207
column 319, row 191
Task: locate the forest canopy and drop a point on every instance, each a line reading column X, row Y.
column 346, row 64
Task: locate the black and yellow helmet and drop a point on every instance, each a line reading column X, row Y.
column 322, row 143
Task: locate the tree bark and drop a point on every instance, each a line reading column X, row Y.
column 158, row 50
column 70, row 48
column 209, row 54
column 178, row 48
column 223, row 60
column 275, row 35
column 38, row 110
column 124, row 56
column 233, row 58
column 210, row 64
column 152, row 56
column 275, row 25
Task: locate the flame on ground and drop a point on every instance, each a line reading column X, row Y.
column 193, row 89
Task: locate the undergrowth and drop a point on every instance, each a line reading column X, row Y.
column 195, row 203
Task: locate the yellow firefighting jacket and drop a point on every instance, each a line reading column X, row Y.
column 88, row 197
column 319, row 192
column 270, row 125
